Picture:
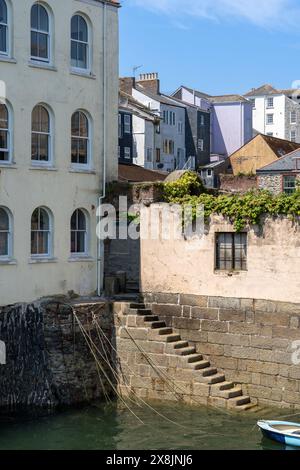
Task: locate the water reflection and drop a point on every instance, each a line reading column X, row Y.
column 113, row 427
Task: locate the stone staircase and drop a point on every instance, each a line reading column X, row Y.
column 221, row 392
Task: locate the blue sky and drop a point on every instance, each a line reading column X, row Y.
column 217, row 46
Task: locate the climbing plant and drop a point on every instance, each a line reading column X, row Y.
column 240, row 209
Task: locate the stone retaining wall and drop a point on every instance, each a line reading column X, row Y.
column 251, row 341
column 48, row 363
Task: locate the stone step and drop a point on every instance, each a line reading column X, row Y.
column 150, row 318
column 181, row 344
column 249, row 407
column 199, row 365
column 223, row 386
column 158, row 324
column 208, row 371
column 194, row 358
column 144, row 311
column 212, row 379
column 164, row 331
column 136, row 305
column 228, row 394
column 173, row 338
column 238, row 401
column 186, row 351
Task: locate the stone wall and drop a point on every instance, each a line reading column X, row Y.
column 273, row 183
column 237, row 184
column 48, row 363
column 250, row 340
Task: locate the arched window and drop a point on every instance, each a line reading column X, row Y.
column 40, row 33
column 4, row 33
column 79, row 233
column 41, row 232
column 4, row 134
column 80, row 139
column 80, row 49
column 40, row 135
column 5, row 233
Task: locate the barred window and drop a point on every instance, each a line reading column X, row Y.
column 231, row 251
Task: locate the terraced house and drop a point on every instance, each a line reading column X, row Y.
column 58, row 142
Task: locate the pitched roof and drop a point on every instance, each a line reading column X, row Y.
column 263, row 90
column 137, row 174
column 129, row 103
column 283, row 164
column 218, row 98
column 160, row 98
column 280, row 147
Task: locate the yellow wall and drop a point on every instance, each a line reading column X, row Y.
column 253, row 156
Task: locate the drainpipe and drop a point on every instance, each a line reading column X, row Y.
column 100, row 248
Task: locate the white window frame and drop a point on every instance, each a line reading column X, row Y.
column 127, row 124
column 293, row 136
column 86, row 232
column 49, row 162
column 270, row 103
column 88, row 164
column 180, row 127
column 9, row 131
column 50, row 235
column 9, row 233
column 88, row 44
column 7, row 26
column 292, row 120
column 41, row 60
column 127, row 150
column 269, row 123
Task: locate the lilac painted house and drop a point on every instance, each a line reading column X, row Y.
column 231, row 119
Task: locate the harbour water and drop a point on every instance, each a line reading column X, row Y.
column 113, row 427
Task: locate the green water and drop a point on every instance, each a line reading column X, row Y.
column 111, row 427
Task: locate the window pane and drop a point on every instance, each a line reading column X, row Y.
column 82, row 29
column 74, row 54
column 3, row 12
column 83, row 125
column 74, row 27
column 34, row 17
column 81, row 220
column 42, row 45
column 43, row 243
column 82, row 151
column 74, row 221
column 44, row 120
column 73, row 241
column 43, row 19
column 3, row 38
column 4, row 220
column 44, row 220
column 240, row 251
column 3, row 117
column 34, row 147
column 75, row 124
column 34, row 243
column 81, row 56
column 3, row 140
column 35, row 220
column 3, row 243
column 43, row 147
column 34, row 44
column 80, row 242
column 74, row 153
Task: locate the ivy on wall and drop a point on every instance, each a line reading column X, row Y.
column 240, row 209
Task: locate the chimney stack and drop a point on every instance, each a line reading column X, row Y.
column 126, row 84
column 150, row 82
